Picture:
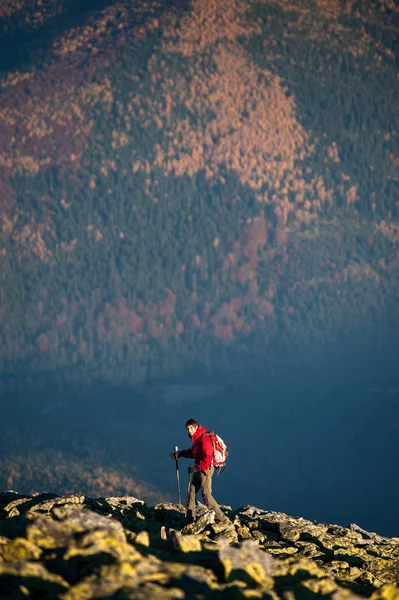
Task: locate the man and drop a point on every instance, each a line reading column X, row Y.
column 201, row 472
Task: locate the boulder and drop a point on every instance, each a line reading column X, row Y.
column 31, row 577
column 247, row 563
column 76, row 547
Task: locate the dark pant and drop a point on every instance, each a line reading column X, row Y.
column 203, row 481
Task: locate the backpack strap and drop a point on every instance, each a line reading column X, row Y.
column 212, row 440
column 212, row 435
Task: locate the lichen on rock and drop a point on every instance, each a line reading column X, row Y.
column 76, row 548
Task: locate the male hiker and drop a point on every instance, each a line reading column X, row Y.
column 201, row 472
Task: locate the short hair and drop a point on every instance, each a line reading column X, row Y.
column 191, row 422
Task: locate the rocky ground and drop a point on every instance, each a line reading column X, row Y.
column 76, row 547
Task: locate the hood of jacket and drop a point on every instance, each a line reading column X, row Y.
column 198, row 433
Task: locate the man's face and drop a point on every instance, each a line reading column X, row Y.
column 191, row 429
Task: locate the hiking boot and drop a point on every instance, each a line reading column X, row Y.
column 223, row 521
column 188, row 520
column 223, row 525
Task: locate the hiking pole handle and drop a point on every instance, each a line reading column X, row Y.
column 177, row 475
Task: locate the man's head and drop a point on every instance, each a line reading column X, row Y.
column 191, row 426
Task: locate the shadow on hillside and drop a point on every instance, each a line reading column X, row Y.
column 22, row 47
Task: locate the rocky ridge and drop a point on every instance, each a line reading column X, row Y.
column 76, row 547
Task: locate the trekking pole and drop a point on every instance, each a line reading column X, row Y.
column 188, row 488
column 178, row 476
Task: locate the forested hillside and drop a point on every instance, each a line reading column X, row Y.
column 178, row 182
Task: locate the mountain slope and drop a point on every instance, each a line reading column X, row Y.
column 79, row 547
column 179, row 179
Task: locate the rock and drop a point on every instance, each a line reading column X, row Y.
column 105, row 582
column 309, row 549
column 127, row 509
column 184, row 543
column 244, row 533
column 389, row 573
column 32, row 576
column 123, row 503
column 163, row 508
column 289, row 532
column 338, row 568
column 258, row 536
column 228, row 532
column 21, row 504
column 282, row 551
column 142, row 539
column 51, row 533
column 19, row 549
column 171, row 515
column 351, row 556
column 297, row 568
column 4, row 540
column 199, row 524
column 321, row 587
column 364, row 533
column 247, row 563
column 250, row 511
column 387, row 592
column 76, row 547
column 198, row 582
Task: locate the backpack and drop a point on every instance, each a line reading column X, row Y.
column 220, row 451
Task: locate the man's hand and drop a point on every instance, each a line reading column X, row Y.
column 174, row 455
column 193, row 469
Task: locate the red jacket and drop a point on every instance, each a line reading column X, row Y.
column 201, row 450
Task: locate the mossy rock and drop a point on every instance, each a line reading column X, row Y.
column 20, row 549
column 32, row 576
column 49, row 533
column 76, row 547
